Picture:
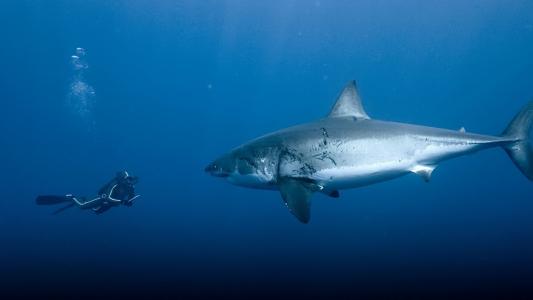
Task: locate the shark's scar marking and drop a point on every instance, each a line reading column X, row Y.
column 338, row 142
column 292, row 155
column 325, row 154
column 307, row 169
column 325, row 136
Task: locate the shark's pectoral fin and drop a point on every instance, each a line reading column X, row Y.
column 297, row 197
column 424, row 171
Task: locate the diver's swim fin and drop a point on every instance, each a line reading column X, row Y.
column 63, row 208
column 49, row 200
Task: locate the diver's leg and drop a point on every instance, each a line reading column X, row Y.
column 83, row 204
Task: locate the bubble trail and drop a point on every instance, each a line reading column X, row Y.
column 81, row 95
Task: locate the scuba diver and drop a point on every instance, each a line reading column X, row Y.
column 120, row 190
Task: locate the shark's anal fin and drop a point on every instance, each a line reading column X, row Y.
column 424, row 171
column 349, row 104
column 297, row 196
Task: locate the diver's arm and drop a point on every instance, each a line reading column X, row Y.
column 111, row 193
column 131, row 196
column 105, row 188
column 130, row 201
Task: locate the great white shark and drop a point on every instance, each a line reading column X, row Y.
column 348, row 149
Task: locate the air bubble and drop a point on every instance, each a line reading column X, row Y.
column 81, row 95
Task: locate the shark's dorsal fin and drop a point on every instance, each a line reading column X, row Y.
column 349, row 104
column 297, row 196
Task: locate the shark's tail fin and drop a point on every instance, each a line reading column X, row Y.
column 520, row 149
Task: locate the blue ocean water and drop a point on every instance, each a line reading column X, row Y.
column 167, row 86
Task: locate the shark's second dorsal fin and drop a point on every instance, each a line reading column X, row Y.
column 349, row 104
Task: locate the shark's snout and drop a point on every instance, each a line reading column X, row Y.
column 215, row 170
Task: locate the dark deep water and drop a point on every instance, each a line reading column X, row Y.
column 177, row 83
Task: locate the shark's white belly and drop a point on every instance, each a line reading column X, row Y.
column 365, row 162
column 356, row 176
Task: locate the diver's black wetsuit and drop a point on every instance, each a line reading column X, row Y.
column 120, row 190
